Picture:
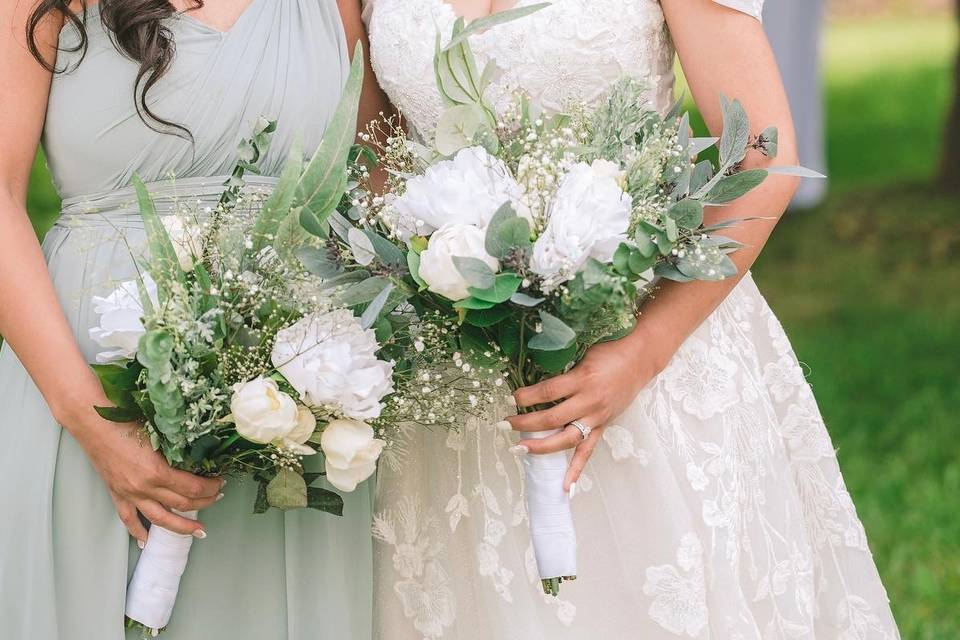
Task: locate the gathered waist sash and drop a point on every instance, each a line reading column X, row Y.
column 120, row 207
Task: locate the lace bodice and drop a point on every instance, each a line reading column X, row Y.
column 569, row 53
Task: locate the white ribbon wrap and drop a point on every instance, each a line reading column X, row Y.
column 153, row 589
column 551, row 521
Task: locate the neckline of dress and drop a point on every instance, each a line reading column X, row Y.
column 453, row 11
column 93, row 11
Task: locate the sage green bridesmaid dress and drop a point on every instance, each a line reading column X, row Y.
column 64, row 556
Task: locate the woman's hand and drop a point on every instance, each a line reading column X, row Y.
column 594, row 392
column 140, row 480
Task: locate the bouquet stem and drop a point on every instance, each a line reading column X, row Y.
column 153, row 588
column 551, row 520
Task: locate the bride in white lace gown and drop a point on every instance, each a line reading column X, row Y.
column 713, row 506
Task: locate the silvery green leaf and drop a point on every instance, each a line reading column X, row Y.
column 503, row 287
column 345, row 280
column 360, row 245
column 736, row 133
column 388, row 252
column 507, row 232
column 287, row 491
column 487, row 76
column 644, row 244
column 670, row 225
column 800, row 172
column 322, row 183
column 735, row 186
column 702, row 174
column 670, row 272
column 340, row 225
column 554, row 334
column 318, row 262
column 364, row 291
column 687, row 213
column 475, row 271
column 277, row 207
column 525, row 300
column 492, row 20
column 683, row 131
column 770, row 141
column 376, row 306
column 455, row 88
column 460, row 126
column 699, row 145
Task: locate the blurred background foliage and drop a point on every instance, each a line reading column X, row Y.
column 867, row 287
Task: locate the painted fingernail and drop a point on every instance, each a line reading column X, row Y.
column 200, row 534
column 573, row 490
column 519, row 450
column 141, row 544
column 218, row 498
column 503, row 425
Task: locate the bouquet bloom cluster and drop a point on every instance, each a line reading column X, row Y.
column 539, row 234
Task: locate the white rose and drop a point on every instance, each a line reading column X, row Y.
column 263, row 413
column 121, row 320
column 351, row 452
column 437, row 268
column 187, row 239
column 330, row 359
column 588, row 218
column 296, row 440
column 465, row 190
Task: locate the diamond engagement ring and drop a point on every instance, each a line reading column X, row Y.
column 584, row 429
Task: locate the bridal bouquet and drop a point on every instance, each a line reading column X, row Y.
column 237, row 361
column 538, row 235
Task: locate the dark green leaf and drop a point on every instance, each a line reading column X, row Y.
column 488, row 317
column 324, row 500
column 116, row 414
column 554, row 361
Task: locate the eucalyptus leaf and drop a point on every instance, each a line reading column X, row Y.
column 507, row 232
column 524, row 300
column 287, row 491
column 554, row 361
column 488, row 317
column 361, row 247
column 503, row 288
column 278, row 205
column 554, row 334
column 473, row 304
column 462, row 126
column 735, row 186
column 476, row 272
column 318, row 262
column 687, row 213
column 364, row 291
column 372, row 313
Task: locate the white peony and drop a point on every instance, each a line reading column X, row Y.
column 351, row 452
column 187, row 239
column 296, row 440
column 121, row 320
column 589, row 218
column 465, row 190
column 263, row 413
column 330, row 359
column 437, row 268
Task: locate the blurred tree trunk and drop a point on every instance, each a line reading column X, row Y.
column 950, row 162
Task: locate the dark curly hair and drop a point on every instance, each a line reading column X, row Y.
column 137, row 30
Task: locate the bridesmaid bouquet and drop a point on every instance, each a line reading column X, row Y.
column 237, row 360
column 539, row 235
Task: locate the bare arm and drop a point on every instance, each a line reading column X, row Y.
column 723, row 52
column 373, row 101
column 31, row 319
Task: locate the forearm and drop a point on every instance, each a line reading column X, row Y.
column 33, row 323
column 677, row 309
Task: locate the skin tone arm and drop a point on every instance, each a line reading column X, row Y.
column 722, row 52
column 33, row 323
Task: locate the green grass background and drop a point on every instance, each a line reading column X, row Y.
column 867, row 286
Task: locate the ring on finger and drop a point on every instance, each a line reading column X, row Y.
column 582, row 428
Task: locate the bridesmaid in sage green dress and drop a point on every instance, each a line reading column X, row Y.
column 65, row 555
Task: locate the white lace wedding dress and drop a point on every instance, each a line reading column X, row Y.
column 715, row 507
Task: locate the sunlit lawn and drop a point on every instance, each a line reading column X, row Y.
column 867, row 287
